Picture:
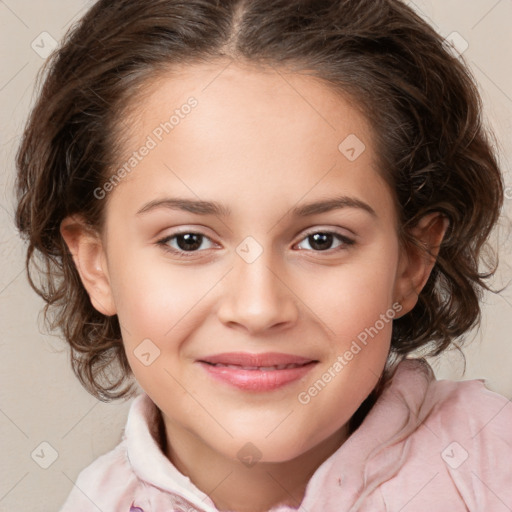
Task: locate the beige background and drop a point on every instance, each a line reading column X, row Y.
column 41, row 401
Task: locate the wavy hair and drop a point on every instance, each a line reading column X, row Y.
column 421, row 100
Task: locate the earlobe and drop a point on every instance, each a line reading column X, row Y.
column 88, row 253
column 417, row 263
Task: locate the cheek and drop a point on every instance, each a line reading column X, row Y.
column 155, row 309
column 143, row 287
column 159, row 300
column 353, row 296
column 360, row 318
column 359, row 315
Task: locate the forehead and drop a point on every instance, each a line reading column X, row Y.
column 232, row 97
column 225, row 127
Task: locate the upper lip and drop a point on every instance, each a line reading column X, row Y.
column 255, row 360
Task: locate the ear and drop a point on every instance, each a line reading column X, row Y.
column 416, row 264
column 86, row 248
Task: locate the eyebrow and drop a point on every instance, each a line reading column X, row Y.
column 213, row 208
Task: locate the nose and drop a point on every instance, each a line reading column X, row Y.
column 255, row 297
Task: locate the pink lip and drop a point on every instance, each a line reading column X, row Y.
column 251, row 372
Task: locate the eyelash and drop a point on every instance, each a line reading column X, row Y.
column 346, row 242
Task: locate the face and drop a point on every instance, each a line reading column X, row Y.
column 251, row 255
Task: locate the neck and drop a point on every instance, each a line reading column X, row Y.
column 235, row 486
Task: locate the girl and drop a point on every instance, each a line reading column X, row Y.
column 257, row 211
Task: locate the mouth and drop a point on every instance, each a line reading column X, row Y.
column 256, row 372
column 254, row 368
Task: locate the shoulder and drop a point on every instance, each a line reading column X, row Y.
column 474, row 422
column 468, row 429
column 108, row 483
column 469, row 409
column 461, row 408
column 455, row 445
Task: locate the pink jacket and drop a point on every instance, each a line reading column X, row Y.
column 425, row 446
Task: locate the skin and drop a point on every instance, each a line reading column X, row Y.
column 260, row 142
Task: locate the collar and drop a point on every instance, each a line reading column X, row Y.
column 369, row 456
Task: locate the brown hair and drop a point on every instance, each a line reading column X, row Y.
column 421, row 100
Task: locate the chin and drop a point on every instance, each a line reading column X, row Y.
column 255, row 449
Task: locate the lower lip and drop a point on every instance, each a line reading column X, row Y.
column 257, row 380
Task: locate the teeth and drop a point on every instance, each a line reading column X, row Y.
column 260, row 368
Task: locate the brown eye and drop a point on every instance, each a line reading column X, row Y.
column 189, row 241
column 323, row 241
column 185, row 244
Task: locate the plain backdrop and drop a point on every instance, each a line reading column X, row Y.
column 43, row 409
